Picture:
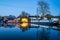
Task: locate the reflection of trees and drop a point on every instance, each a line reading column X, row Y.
column 45, row 34
column 58, row 34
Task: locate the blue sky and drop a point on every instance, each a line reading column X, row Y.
column 15, row 7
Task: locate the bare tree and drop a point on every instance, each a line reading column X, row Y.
column 43, row 7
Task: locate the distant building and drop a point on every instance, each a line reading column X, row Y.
column 9, row 18
column 55, row 18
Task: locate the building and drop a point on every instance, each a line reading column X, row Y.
column 55, row 19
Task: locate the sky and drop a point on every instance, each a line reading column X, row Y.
column 15, row 7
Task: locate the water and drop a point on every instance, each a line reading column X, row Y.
column 30, row 34
column 15, row 33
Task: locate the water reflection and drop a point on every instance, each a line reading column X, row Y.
column 12, row 30
column 49, row 34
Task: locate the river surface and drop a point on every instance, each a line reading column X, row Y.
column 30, row 34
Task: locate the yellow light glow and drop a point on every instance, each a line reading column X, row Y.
column 24, row 20
column 24, row 23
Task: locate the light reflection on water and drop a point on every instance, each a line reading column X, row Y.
column 31, row 33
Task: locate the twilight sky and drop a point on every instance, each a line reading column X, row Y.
column 15, row 7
